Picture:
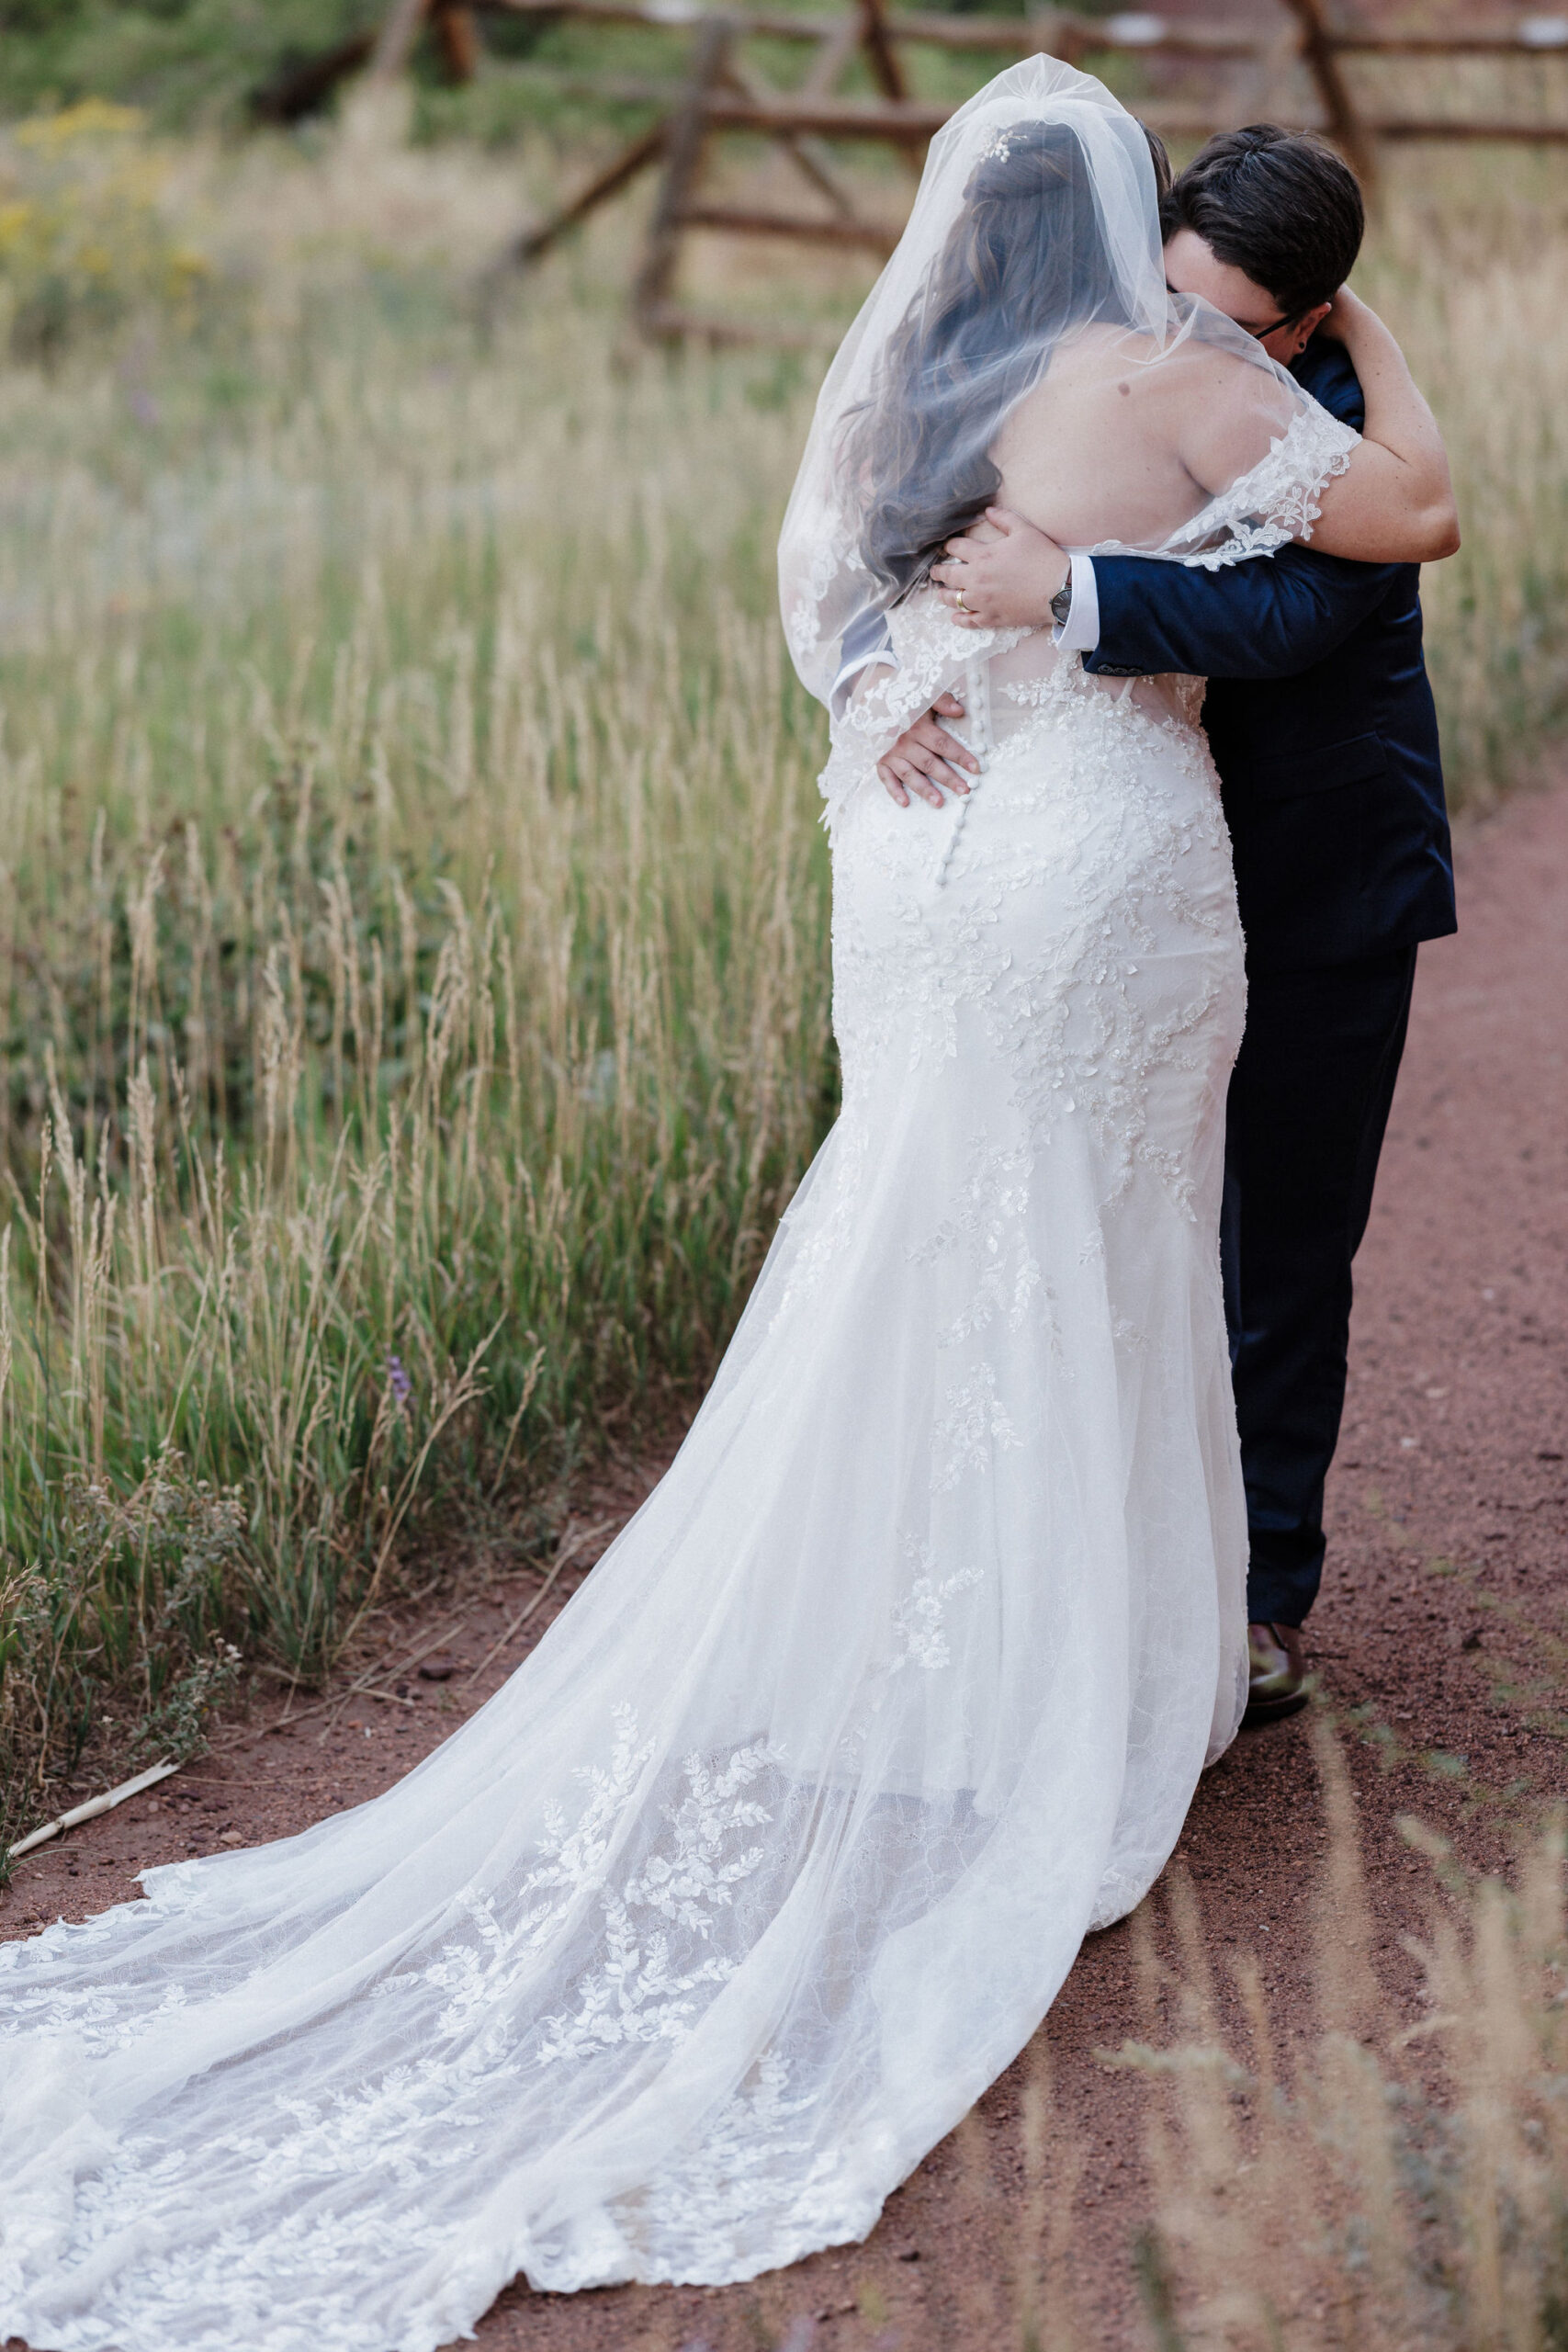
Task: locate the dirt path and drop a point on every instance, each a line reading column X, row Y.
column 1441, row 1626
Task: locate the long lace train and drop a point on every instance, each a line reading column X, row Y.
column 675, row 1960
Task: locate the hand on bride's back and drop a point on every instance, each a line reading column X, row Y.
column 927, row 760
column 1006, row 570
column 1009, row 572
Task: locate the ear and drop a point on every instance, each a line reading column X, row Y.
column 1310, row 322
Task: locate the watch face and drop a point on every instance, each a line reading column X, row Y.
column 1062, row 604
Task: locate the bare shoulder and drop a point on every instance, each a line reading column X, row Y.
column 1227, row 415
column 1096, row 369
column 1193, row 370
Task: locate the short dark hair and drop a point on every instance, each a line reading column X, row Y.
column 1279, row 204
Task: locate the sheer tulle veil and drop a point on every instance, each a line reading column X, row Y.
column 1036, row 221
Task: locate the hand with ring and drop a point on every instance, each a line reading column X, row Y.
column 1010, row 572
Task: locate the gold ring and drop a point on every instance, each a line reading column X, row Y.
column 959, row 602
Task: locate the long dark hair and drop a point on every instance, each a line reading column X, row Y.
column 1024, row 264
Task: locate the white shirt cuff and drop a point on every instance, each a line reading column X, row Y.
column 1080, row 632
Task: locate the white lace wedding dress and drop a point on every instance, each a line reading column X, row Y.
column 674, row 1961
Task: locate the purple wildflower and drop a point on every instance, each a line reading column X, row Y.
column 398, row 1381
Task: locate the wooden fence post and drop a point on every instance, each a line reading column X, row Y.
column 1321, row 59
column 457, row 38
column 685, row 138
column 809, row 156
column 882, row 55
column 880, row 52
column 834, row 51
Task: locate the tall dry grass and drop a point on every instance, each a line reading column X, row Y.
column 1469, row 260
column 1361, row 2167
column 412, row 931
column 412, row 924
column 1349, row 2181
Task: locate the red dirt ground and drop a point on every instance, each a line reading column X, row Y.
column 1442, row 1623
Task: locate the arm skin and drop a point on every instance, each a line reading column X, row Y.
column 1271, row 617
column 1395, row 505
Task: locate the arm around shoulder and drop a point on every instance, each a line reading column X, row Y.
column 1394, row 503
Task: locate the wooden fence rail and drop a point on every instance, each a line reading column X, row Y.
column 721, row 94
column 1054, row 29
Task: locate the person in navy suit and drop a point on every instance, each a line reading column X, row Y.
column 1320, row 718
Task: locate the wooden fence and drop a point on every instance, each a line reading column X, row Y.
column 722, row 93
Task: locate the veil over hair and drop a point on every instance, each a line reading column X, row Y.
column 1036, row 219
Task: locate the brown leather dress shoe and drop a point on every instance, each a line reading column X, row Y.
column 1277, row 1673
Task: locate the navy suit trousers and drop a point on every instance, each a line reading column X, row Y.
column 1309, row 1102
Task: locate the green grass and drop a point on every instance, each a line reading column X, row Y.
column 187, row 60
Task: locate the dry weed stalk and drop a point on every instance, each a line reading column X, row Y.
column 1361, row 2185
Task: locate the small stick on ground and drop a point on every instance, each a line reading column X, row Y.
column 94, row 1807
column 568, row 1551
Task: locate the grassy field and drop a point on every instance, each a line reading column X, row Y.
column 413, row 922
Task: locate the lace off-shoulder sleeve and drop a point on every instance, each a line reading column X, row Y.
column 1277, row 500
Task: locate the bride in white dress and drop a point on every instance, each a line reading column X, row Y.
column 677, row 1959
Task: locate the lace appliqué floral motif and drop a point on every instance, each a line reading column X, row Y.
column 92, row 2017
column 754, row 2180
column 636, row 1992
column 987, row 1223
column 95, row 2016
column 973, row 1424
column 827, row 1219
column 385, row 2127
column 834, row 556
column 1073, row 1021
column 919, row 1618
column 1073, row 1018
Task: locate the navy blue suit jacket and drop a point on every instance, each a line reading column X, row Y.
column 1320, row 718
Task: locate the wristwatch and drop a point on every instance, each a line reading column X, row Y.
column 1062, row 601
